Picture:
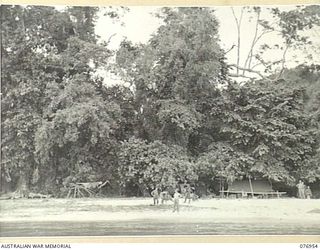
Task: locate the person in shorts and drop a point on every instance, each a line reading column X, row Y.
column 187, row 195
column 155, row 194
column 176, row 200
column 301, row 190
column 308, row 192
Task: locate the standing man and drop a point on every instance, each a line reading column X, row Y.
column 193, row 194
column 308, row 193
column 176, row 198
column 187, row 195
column 155, row 194
column 301, row 190
column 165, row 196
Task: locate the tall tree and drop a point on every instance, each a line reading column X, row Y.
column 56, row 126
column 175, row 73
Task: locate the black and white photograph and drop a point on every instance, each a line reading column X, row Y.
column 160, row 120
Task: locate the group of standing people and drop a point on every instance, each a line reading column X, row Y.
column 303, row 191
column 156, row 194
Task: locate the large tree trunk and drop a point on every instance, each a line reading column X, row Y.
column 22, row 188
column 5, row 186
column 5, row 181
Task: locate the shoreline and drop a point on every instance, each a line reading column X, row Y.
column 137, row 217
column 217, row 210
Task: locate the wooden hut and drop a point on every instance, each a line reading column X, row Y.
column 244, row 188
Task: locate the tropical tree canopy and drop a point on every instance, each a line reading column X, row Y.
column 178, row 114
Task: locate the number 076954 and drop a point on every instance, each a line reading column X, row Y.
column 309, row 246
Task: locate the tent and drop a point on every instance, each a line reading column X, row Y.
column 252, row 187
column 257, row 186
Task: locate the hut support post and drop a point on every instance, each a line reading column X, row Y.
column 251, row 186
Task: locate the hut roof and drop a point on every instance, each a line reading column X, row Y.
column 244, row 185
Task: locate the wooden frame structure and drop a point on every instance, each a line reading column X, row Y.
column 253, row 191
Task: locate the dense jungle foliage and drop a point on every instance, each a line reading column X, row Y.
column 181, row 117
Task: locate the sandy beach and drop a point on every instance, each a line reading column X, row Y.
column 138, row 215
column 291, row 210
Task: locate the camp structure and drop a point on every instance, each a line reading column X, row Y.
column 249, row 187
column 80, row 189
